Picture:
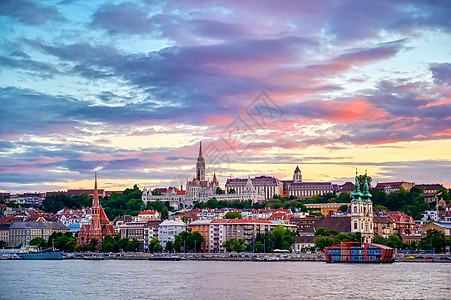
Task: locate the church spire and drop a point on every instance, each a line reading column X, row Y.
column 95, row 199
column 96, row 229
column 366, row 192
column 356, row 194
column 200, row 165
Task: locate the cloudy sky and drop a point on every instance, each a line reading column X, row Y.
column 129, row 89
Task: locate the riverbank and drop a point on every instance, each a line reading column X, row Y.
column 267, row 257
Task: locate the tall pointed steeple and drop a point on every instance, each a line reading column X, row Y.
column 95, row 199
column 95, row 213
column 200, row 165
column 366, row 192
column 356, row 194
column 297, row 176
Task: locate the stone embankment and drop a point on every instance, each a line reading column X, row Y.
column 200, row 256
column 269, row 257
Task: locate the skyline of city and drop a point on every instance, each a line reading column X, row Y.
column 129, row 89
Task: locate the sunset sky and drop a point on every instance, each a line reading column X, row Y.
column 129, row 89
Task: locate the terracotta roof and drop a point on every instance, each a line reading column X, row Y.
column 147, row 212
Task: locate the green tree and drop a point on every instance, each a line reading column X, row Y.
column 169, row 246
column 344, row 197
column 394, row 241
column 178, row 243
column 362, row 180
column 229, row 245
column 194, row 241
column 154, row 245
column 380, row 208
column 343, row 208
column 164, row 213
column 109, row 244
column 258, row 246
column 320, row 231
column 233, row 215
column 232, row 191
column 239, row 245
column 123, row 244
column 323, row 242
column 434, row 240
column 134, row 245
column 444, row 194
column 379, row 239
column 39, row 242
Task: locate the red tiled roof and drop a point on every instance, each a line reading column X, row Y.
column 147, row 212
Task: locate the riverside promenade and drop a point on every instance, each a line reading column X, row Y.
column 270, row 257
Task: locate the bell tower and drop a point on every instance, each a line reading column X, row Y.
column 297, row 176
column 362, row 211
column 200, row 165
column 96, row 229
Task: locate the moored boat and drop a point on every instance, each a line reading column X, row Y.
column 33, row 253
column 354, row 252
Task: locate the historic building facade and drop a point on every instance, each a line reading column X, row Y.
column 302, row 190
column 362, row 211
column 21, row 233
column 250, row 192
column 175, row 197
column 264, row 185
column 100, row 224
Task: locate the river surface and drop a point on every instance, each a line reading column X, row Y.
column 111, row 279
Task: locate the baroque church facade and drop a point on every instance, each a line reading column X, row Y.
column 362, row 211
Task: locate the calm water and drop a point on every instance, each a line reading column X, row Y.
column 79, row 279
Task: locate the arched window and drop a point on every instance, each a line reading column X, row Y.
column 355, row 225
column 355, row 209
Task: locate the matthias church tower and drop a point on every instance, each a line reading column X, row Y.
column 200, row 165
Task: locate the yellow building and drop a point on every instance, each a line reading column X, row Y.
column 324, row 208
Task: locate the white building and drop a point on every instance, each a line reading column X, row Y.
column 168, row 229
column 265, row 185
column 148, row 215
column 362, row 211
column 175, row 198
column 249, row 192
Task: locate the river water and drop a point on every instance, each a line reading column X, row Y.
column 111, row 279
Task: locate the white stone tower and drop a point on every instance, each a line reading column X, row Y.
column 362, row 211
